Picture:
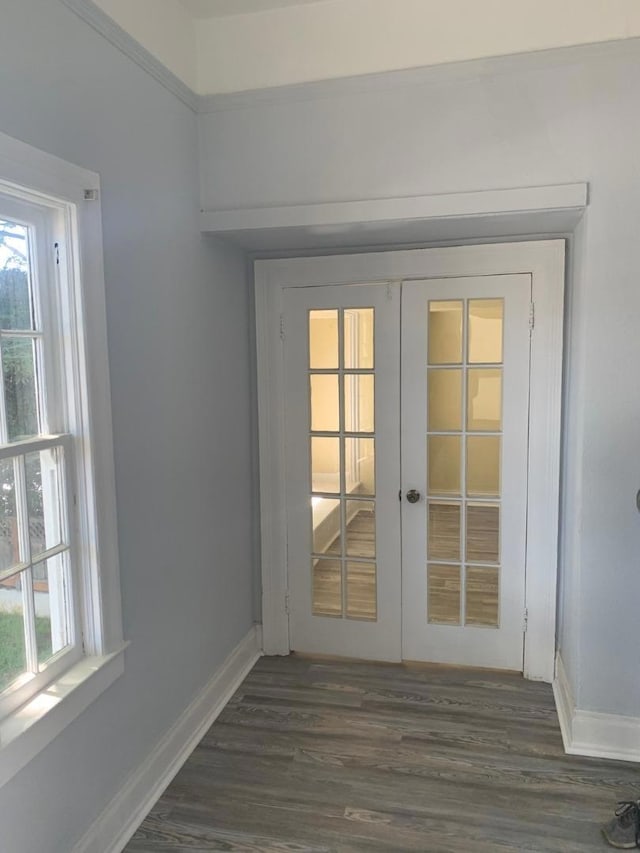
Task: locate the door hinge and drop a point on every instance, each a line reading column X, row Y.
column 532, row 316
column 525, row 620
column 287, row 603
column 282, row 327
column 56, row 249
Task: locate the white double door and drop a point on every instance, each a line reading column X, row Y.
column 406, row 452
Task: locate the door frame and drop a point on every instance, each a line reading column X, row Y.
column 544, row 260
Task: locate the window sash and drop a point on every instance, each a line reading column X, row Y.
column 21, row 689
column 46, row 225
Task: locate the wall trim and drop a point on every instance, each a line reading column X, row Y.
column 590, row 732
column 120, row 38
column 112, row 830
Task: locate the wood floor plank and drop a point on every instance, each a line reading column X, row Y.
column 312, row 756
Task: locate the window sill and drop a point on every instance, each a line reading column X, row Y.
column 26, row 732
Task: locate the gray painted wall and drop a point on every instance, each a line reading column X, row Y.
column 561, row 117
column 178, row 325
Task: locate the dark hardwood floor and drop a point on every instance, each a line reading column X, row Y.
column 314, row 755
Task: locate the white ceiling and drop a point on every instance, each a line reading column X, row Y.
column 224, row 8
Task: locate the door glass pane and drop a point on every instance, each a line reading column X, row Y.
column 325, row 402
column 361, row 591
column 361, row 529
column 327, row 587
column 9, row 538
column 481, row 598
column 445, row 332
column 443, row 531
column 484, row 399
column 325, row 464
column 445, row 399
column 49, row 593
column 483, row 533
column 326, row 521
column 323, row 340
column 16, row 301
column 19, row 368
column 358, row 338
column 44, row 499
column 360, row 467
column 485, row 331
column 443, row 594
column 359, row 402
column 483, row 465
column 13, row 654
column 444, row 464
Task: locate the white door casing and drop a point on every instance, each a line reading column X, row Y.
column 544, row 262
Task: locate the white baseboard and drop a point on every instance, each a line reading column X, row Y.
column 591, row 733
column 116, row 825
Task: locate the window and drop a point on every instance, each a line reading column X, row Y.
column 59, row 597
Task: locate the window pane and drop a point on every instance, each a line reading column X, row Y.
column 9, row 538
column 13, row 653
column 443, row 531
column 359, row 402
column 51, row 605
column 484, row 404
column 444, row 464
column 325, row 402
column 44, row 499
column 16, row 304
column 445, row 399
column 481, row 600
column 19, row 368
column 445, row 332
column 360, row 464
column 327, row 587
column 483, row 533
column 361, row 591
column 483, row 465
column 443, row 594
column 323, row 339
column 358, row 338
column 326, row 526
column 325, row 464
column 485, row 331
column 361, row 529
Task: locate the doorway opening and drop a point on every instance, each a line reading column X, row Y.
column 413, row 497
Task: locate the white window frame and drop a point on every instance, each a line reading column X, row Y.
column 63, row 201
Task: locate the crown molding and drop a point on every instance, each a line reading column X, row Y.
column 428, row 75
column 93, row 15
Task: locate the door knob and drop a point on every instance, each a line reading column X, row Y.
column 412, row 496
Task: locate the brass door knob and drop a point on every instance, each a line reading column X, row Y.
column 412, row 496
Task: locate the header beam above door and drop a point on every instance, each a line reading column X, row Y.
column 422, row 219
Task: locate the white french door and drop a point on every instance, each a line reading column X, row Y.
column 465, row 394
column 406, row 420
column 342, row 360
